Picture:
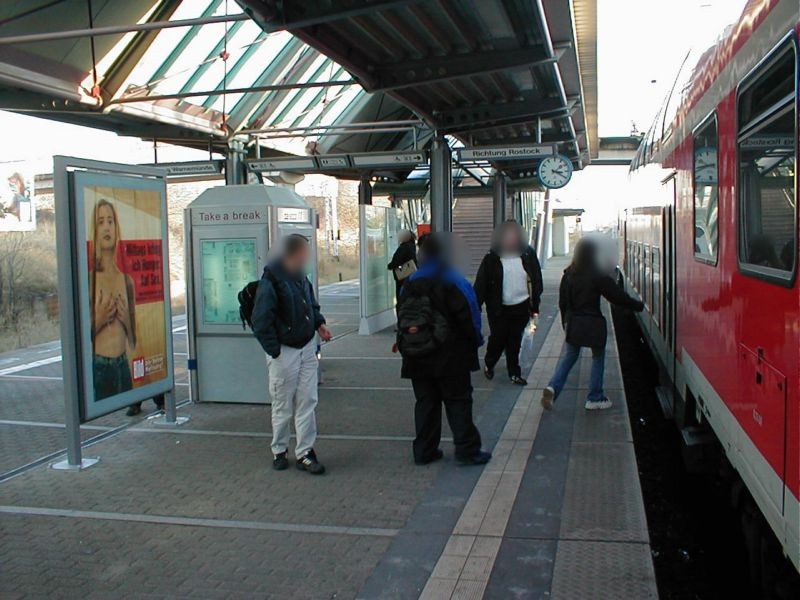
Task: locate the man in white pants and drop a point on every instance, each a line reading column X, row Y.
column 286, row 319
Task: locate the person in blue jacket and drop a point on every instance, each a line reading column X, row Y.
column 438, row 335
column 286, row 318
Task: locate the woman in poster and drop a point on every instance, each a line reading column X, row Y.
column 113, row 306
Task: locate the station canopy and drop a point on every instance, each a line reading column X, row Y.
column 300, row 77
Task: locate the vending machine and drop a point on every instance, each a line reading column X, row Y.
column 229, row 231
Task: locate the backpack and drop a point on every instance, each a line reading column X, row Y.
column 247, row 301
column 421, row 328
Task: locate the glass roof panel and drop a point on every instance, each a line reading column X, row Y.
column 238, row 54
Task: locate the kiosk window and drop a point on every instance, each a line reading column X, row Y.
column 706, row 186
column 767, row 144
column 227, row 267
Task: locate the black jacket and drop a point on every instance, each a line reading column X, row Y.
column 285, row 310
column 459, row 352
column 405, row 252
column 489, row 281
column 580, row 294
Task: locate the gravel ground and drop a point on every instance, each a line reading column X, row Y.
column 698, row 551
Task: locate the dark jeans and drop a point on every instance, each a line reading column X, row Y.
column 456, row 395
column 505, row 335
column 111, row 376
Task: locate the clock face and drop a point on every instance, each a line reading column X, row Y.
column 705, row 166
column 555, row 171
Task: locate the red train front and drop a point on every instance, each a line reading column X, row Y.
column 714, row 254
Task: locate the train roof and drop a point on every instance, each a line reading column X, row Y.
column 697, row 74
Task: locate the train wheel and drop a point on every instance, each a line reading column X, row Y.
column 750, row 517
column 771, row 575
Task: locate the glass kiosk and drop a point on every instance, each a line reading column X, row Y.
column 229, row 230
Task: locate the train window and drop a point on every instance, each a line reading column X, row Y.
column 767, row 144
column 706, row 187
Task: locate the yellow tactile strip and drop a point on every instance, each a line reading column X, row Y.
column 466, row 563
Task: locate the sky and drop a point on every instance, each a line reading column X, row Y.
column 641, row 44
column 640, row 47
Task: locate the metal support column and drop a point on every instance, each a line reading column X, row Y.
column 441, row 186
column 499, row 194
column 365, row 190
column 235, row 172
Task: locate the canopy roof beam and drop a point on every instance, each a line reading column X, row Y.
column 443, row 68
column 118, row 29
column 278, row 15
column 522, row 109
column 244, row 90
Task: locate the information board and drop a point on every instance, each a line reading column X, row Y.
column 227, row 266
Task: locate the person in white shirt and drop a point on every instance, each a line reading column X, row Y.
column 509, row 282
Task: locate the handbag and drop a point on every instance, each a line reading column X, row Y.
column 405, row 270
column 586, row 331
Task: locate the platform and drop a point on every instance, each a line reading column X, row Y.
column 197, row 512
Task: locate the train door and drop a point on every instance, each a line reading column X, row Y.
column 668, row 275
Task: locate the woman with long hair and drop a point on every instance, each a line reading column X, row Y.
column 113, row 308
column 582, row 285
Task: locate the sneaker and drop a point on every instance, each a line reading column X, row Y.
column 280, row 462
column 548, row 398
column 517, row 380
column 598, row 404
column 308, row 462
column 133, row 410
column 488, row 373
column 480, row 458
column 437, row 455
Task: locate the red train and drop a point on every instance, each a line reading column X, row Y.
column 713, row 252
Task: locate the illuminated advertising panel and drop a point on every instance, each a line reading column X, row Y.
column 123, row 289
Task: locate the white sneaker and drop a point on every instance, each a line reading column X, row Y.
column 548, row 397
column 598, row 405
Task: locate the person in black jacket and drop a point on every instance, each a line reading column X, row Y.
column 509, row 282
column 406, row 251
column 442, row 375
column 582, row 285
column 286, row 319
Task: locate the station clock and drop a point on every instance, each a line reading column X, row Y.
column 555, row 171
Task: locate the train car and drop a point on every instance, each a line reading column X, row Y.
column 713, row 252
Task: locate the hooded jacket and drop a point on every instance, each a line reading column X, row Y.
column 285, row 310
column 580, row 292
column 453, row 297
column 489, row 281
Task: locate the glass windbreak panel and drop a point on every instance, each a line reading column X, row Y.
column 767, row 169
column 227, row 267
column 379, row 284
column 706, row 189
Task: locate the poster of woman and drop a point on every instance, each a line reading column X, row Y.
column 17, row 211
column 113, row 305
column 127, row 342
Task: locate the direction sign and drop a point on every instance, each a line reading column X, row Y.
column 388, row 159
column 190, row 168
column 290, row 163
column 333, row 161
column 517, row 152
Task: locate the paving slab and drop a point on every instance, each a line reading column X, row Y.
column 64, row 558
